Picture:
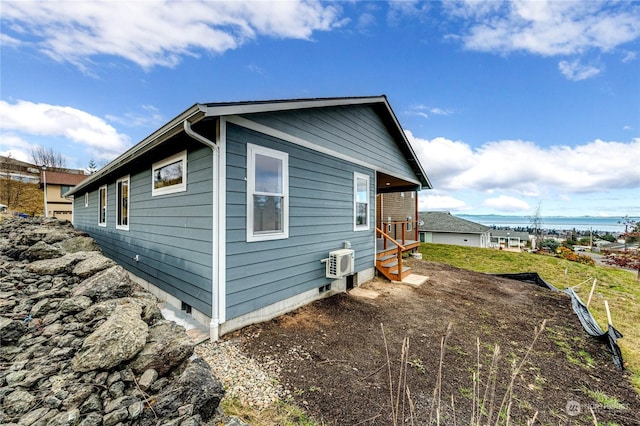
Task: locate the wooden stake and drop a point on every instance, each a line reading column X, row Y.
column 606, row 306
column 593, row 287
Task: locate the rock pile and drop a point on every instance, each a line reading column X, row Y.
column 81, row 344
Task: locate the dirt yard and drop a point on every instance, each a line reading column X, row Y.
column 331, row 355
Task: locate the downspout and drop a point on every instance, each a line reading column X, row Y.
column 214, row 326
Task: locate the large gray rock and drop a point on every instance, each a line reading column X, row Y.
column 196, row 386
column 102, row 310
column 76, row 244
column 10, row 330
column 94, row 263
column 42, row 250
column 56, row 266
column 18, row 402
column 119, row 339
column 112, row 283
column 167, row 346
column 75, row 304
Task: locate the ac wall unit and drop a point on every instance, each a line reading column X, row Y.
column 340, row 263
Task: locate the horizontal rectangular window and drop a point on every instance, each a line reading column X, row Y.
column 169, row 175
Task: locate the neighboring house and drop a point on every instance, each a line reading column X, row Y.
column 397, row 213
column 55, row 184
column 508, row 239
column 231, row 210
column 444, row 228
column 13, row 169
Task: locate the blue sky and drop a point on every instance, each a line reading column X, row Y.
column 509, row 105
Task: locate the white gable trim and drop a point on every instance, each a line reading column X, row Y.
column 249, row 124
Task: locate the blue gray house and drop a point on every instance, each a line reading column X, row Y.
column 239, row 212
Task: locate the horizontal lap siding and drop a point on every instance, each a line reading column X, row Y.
column 356, row 131
column 170, row 233
column 320, row 220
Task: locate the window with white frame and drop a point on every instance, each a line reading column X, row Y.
column 122, row 200
column 102, row 206
column 360, row 201
column 86, row 199
column 169, row 175
column 267, row 194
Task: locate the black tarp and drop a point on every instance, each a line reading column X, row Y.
column 589, row 323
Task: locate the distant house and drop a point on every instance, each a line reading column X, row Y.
column 509, row 239
column 239, row 212
column 17, row 170
column 55, row 184
column 444, row 228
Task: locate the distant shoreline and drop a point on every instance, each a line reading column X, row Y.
column 557, row 223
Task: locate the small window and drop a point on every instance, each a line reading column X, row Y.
column 64, row 189
column 86, row 199
column 122, row 198
column 169, row 175
column 360, row 201
column 267, row 194
column 102, row 206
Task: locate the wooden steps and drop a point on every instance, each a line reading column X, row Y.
column 387, row 264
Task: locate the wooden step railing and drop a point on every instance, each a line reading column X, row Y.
column 391, row 228
column 384, row 262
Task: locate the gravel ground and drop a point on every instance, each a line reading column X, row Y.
column 243, row 378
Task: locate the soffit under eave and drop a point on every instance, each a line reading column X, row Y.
column 160, row 136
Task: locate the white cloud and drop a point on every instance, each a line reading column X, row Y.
column 23, row 119
column 426, row 112
column 505, row 203
column 148, row 117
column 158, row 33
column 629, row 56
column 547, row 27
column 529, row 170
column 431, row 202
column 575, row 71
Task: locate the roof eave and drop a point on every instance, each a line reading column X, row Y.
column 173, row 127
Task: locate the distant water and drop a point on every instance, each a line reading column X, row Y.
column 580, row 223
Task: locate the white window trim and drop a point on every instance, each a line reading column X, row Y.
column 252, row 151
column 357, row 176
column 106, row 210
column 181, row 187
column 123, row 179
column 86, row 199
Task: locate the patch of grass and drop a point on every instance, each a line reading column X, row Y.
column 620, row 288
column 603, row 399
column 283, row 413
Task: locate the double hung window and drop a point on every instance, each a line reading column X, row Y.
column 267, row 194
column 122, row 198
column 102, row 206
column 360, row 202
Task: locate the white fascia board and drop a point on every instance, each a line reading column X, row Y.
column 257, row 107
column 172, row 128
